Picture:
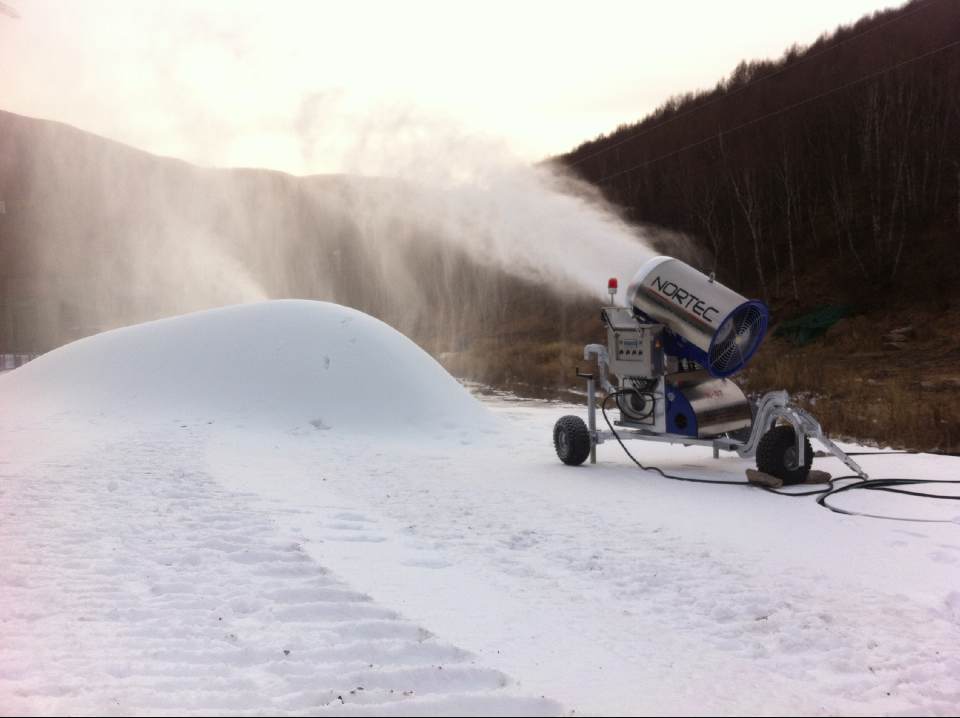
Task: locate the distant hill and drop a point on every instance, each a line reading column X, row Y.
column 831, row 174
column 95, row 234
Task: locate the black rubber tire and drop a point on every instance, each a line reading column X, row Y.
column 571, row 439
column 776, row 455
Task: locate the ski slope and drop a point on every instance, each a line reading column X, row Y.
column 289, row 508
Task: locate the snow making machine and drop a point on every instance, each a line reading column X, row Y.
column 670, row 353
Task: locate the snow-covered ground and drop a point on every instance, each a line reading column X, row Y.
column 289, row 508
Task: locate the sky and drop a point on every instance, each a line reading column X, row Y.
column 298, row 86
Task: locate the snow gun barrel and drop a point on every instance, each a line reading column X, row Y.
column 709, row 323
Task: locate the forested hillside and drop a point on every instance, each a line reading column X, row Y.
column 832, row 172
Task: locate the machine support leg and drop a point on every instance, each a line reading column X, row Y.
column 592, row 418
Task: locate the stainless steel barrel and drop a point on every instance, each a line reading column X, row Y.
column 724, row 327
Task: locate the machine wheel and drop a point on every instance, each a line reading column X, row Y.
column 571, row 439
column 777, row 455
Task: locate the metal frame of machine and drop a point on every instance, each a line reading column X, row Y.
column 772, row 407
column 672, row 349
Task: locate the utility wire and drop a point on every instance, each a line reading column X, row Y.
column 792, row 106
column 752, row 83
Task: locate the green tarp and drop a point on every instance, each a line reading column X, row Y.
column 804, row 329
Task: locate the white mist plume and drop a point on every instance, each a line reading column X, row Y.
column 532, row 221
column 421, row 229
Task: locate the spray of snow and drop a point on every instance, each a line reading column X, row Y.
column 120, row 238
column 470, row 192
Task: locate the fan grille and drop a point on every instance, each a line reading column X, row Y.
column 737, row 339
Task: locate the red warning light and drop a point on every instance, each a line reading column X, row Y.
column 612, row 283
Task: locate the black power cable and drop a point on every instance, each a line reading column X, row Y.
column 603, row 409
column 875, row 453
column 888, row 485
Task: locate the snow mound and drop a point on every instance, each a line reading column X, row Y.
column 289, row 363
